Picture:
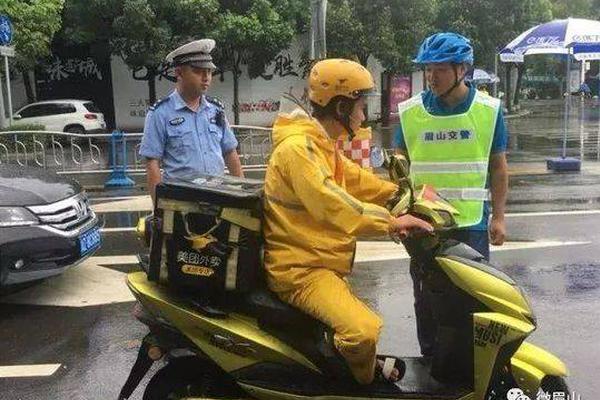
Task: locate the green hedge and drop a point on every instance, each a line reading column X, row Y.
column 27, row 139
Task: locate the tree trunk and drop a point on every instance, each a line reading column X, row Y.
column 236, row 89
column 28, row 87
column 508, row 93
column 520, row 72
column 386, row 78
column 151, row 85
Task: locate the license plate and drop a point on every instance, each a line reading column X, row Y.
column 89, row 240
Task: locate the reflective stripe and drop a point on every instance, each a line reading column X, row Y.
column 464, row 194
column 344, row 196
column 232, row 261
column 376, row 212
column 348, row 199
column 418, row 167
column 311, row 150
column 291, row 206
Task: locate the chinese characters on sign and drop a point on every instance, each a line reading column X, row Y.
column 86, row 68
column 260, row 106
column 284, row 66
column 138, row 107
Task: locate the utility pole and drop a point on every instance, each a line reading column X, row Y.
column 318, row 45
column 6, row 51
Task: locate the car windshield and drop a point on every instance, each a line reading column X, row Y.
column 91, row 107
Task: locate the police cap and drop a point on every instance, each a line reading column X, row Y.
column 196, row 54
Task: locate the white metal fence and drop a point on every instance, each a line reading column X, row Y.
column 100, row 153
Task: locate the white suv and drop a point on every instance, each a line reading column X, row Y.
column 74, row 116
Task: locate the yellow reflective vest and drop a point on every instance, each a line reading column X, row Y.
column 452, row 153
column 316, row 203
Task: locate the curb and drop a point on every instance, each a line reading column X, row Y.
column 517, row 115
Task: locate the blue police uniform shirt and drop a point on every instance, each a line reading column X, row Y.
column 435, row 106
column 188, row 142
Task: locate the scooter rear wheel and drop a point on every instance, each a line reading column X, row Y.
column 189, row 377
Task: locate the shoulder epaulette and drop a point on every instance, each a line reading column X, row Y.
column 215, row 101
column 159, row 102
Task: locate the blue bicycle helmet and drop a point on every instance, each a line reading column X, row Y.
column 446, row 47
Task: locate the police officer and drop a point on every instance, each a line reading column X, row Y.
column 187, row 131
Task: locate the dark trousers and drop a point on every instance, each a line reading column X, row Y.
column 479, row 241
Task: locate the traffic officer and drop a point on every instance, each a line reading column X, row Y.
column 455, row 139
column 187, row 131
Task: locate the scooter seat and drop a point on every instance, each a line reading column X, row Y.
column 307, row 335
column 271, row 311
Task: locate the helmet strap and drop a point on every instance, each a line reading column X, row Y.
column 344, row 120
column 457, row 83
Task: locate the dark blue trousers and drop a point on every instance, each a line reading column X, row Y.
column 479, row 241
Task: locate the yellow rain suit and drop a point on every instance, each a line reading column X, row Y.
column 316, row 203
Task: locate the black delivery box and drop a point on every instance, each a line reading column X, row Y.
column 207, row 235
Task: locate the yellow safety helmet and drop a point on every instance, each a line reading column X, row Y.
column 338, row 77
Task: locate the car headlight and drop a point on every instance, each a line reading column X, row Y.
column 16, row 216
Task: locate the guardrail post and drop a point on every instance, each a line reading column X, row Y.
column 118, row 177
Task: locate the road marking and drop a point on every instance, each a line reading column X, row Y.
column 114, row 260
column 90, row 284
column 110, row 198
column 113, row 230
column 553, row 213
column 143, row 203
column 137, row 203
column 387, row 251
column 27, row 371
column 85, row 285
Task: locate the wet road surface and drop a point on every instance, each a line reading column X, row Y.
column 81, row 321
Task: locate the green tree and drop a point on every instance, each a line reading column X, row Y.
column 253, row 32
column 572, row 8
column 35, row 23
column 90, row 22
column 413, row 21
column 491, row 25
column 388, row 30
column 141, row 32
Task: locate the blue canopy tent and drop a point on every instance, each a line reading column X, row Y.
column 575, row 37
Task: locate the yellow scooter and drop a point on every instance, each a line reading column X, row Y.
column 254, row 346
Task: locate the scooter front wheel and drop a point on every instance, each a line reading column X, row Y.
column 187, row 377
column 552, row 384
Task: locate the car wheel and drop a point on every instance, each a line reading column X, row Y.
column 75, row 129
